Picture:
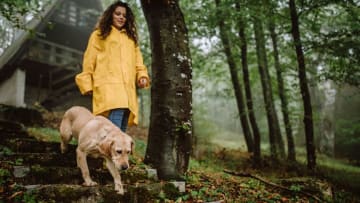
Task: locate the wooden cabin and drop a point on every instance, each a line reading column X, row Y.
column 40, row 68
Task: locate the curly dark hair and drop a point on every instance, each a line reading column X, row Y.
column 105, row 22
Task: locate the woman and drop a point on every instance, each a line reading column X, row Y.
column 113, row 66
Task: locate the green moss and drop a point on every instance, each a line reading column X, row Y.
column 46, row 134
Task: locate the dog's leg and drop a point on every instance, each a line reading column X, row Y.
column 65, row 134
column 63, row 144
column 82, row 164
column 116, row 175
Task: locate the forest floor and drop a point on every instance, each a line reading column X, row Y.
column 226, row 175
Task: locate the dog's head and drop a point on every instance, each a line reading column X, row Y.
column 118, row 146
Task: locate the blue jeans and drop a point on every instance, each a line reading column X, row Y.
column 120, row 118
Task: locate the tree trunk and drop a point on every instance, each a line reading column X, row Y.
column 282, row 94
column 249, row 102
column 236, row 84
column 170, row 131
column 308, row 119
column 276, row 143
column 326, row 135
column 327, row 126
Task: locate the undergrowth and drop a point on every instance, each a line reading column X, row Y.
column 206, row 180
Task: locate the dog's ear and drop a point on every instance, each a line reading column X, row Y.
column 104, row 131
column 105, row 147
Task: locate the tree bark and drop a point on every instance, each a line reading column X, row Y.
column 170, row 131
column 236, row 84
column 282, row 94
column 276, row 143
column 249, row 101
column 308, row 118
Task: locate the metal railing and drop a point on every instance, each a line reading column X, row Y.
column 54, row 54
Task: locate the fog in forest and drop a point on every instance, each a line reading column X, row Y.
column 336, row 106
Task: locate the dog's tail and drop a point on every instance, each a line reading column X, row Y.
column 65, row 132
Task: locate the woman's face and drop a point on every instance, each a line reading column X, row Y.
column 119, row 17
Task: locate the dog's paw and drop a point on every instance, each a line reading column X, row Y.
column 90, row 183
column 120, row 192
column 63, row 148
column 119, row 189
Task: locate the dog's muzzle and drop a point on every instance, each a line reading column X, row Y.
column 124, row 167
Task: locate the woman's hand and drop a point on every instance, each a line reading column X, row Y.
column 142, row 82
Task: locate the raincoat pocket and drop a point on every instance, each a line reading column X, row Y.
column 84, row 81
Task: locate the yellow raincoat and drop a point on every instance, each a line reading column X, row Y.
column 111, row 68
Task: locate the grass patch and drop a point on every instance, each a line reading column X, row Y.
column 337, row 171
column 46, row 134
column 140, row 147
column 337, row 164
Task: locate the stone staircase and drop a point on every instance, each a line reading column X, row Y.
column 36, row 171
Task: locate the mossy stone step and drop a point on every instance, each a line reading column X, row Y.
column 49, row 176
column 36, row 174
column 9, row 129
column 59, row 193
column 24, row 115
column 49, row 159
column 32, row 145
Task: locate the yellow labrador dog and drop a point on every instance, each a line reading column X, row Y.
column 99, row 137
